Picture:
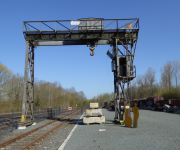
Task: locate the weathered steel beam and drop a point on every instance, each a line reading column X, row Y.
column 75, row 42
column 28, row 90
column 79, row 36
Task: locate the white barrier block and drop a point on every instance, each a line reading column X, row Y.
column 22, row 127
column 94, row 105
column 88, row 120
column 93, row 112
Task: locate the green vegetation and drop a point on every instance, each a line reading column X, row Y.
column 46, row 94
column 101, row 98
column 38, row 102
column 169, row 87
column 173, row 94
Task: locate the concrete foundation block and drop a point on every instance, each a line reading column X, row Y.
column 21, row 127
column 94, row 105
column 93, row 112
column 88, row 120
column 34, row 123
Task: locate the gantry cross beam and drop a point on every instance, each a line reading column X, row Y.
column 90, row 32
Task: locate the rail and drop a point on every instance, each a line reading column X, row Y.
column 9, row 121
column 28, row 143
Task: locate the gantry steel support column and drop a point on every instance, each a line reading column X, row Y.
column 116, row 84
column 121, row 97
column 28, row 91
column 121, row 102
column 116, row 97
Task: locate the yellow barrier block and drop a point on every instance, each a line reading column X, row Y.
column 22, row 118
column 127, row 107
column 128, row 120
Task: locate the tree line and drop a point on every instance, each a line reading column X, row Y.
column 46, row 94
column 145, row 85
column 50, row 95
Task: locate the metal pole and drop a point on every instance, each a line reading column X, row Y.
column 81, row 110
column 38, row 115
column 115, row 54
column 62, row 110
column 32, row 83
column 43, row 114
column 49, row 98
column 51, row 112
column 35, row 114
column 25, row 80
column 59, row 110
column 131, row 91
column 12, row 120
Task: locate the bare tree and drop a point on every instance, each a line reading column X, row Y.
column 167, row 74
column 141, row 83
column 176, row 66
column 133, row 90
column 5, row 76
column 150, row 75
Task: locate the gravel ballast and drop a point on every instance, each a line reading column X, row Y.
column 56, row 138
column 52, row 141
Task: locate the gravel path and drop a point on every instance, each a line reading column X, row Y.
column 156, row 131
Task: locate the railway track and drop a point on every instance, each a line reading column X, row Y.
column 7, row 121
column 29, row 139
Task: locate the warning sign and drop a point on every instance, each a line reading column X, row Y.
column 75, row 22
column 70, row 108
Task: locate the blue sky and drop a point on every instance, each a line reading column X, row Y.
column 72, row 66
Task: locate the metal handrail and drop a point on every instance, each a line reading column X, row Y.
column 28, row 26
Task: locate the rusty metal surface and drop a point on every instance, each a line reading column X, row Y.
column 151, row 101
column 174, row 102
column 142, row 102
column 162, row 103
